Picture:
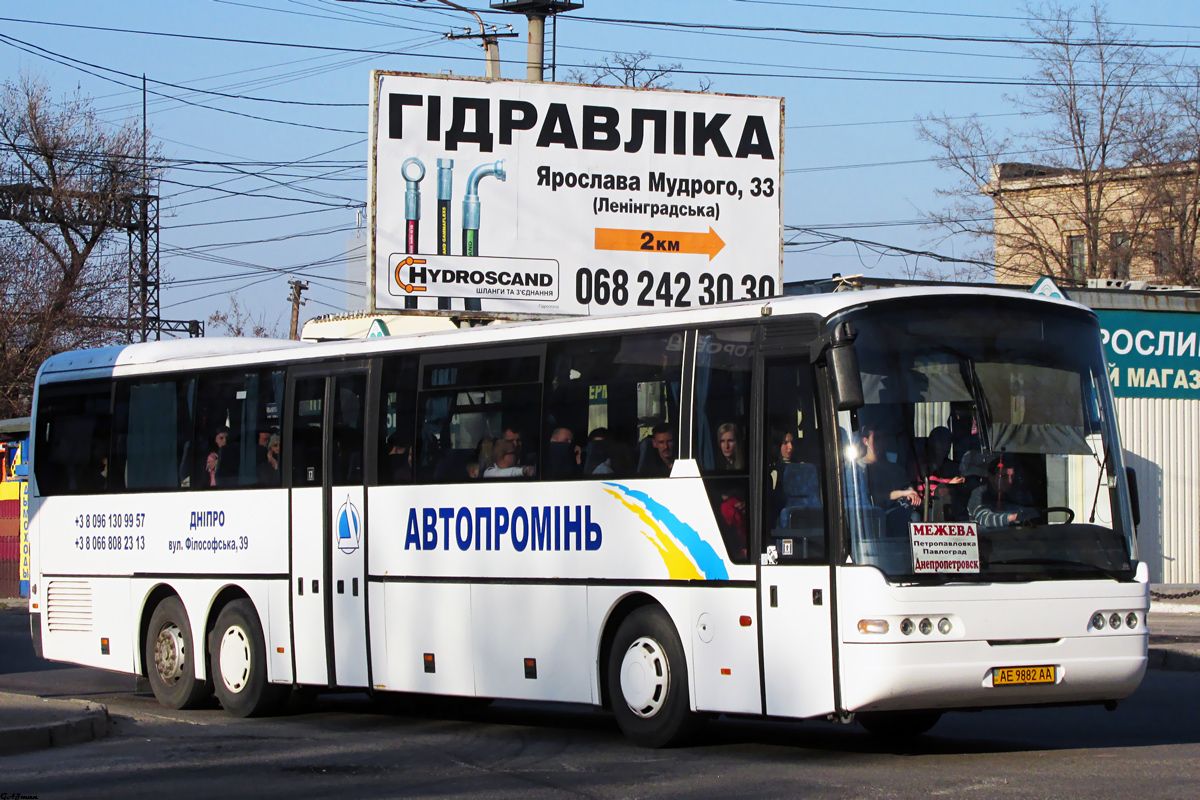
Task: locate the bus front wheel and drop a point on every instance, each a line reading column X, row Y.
column 899, row 724
column 171, row 657
column 238, row 653
column 647, row 680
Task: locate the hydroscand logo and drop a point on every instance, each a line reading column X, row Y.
column 686, row 555
column 349, row 527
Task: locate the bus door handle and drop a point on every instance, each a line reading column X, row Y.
column 817, row 600
column 774, row 597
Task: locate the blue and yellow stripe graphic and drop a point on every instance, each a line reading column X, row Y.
column 686, row 554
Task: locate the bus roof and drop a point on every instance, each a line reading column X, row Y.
column 215, row 352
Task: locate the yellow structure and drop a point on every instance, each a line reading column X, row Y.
column 1133, row 223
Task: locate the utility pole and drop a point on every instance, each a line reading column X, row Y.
column 536, row 12
column 297, row 287
column 491, row 45
column 144, row 227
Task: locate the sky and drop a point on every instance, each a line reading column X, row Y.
column 260, row 108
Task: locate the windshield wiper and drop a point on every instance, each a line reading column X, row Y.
column 1062, row 563
column 1100, row 479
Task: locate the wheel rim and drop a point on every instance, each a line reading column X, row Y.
column 235, row 658
column 645, row 677
column 170, row 654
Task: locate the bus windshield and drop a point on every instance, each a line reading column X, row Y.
column 987, row 447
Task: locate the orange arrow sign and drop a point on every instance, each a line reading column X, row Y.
column 659, row 241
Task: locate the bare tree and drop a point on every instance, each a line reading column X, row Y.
column 1172, row 182
column 1093, row 99
column 630, row 69
column 69, row 184
column 239, row 320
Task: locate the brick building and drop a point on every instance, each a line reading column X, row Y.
column 1133, row 223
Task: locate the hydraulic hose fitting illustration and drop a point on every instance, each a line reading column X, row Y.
column 471, row 214
column 413, row 172
column 471, row 204
column 445, row 182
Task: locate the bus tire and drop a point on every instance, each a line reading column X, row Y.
column 898, row 724
column 238, row 654
column 171, row 657
column 647, row 680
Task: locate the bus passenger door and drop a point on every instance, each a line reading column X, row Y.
column 794, row 577
column 328, row 576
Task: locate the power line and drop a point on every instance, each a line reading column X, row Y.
column 952, row 14
column 936, row 37
column 63, row 60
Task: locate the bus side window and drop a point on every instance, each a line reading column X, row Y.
column 349, row 415
column 468, row 404
column 153, row 434
column 605, row 396
column 74, row 425
column 724, row 360
column 397, row 408
column 237, row 412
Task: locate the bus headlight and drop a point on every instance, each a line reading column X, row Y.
column 944, row 626
column 879, row 626
column 1114, row 620
column 906, row 626
column 1098, row 621
column 1131, row 620
column 925, row 626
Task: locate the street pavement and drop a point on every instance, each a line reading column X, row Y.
column 29, row 722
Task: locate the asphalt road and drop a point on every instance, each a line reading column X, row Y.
column 347, row 747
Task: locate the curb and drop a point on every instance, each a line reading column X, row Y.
column 88, row 721
column 1173, row 659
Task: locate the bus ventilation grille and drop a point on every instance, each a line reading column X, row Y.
column 69, row 606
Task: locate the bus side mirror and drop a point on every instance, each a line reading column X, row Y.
column 843, row 361
column 1135, row 503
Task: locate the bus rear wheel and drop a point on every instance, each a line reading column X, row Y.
column 171, row 658
column 647, row 680
column 898, row 724
column 238, row 653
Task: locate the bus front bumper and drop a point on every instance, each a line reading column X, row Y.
column 962, row 674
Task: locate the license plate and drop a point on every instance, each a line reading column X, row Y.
column 1021, row 676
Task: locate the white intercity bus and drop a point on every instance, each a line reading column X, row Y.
column 870, row 505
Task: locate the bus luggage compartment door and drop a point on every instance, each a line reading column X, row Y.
column 797, row 640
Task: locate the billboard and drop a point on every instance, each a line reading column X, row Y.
column 515, row 197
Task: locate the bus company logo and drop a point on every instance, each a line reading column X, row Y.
column 685, row 553
column 349, row 527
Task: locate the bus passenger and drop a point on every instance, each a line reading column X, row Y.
column 935, row 476
column 598, row 461
column 216, row 451
column 733, row 457
column 485, row 455
column 268, row 469
column 513, row 435
column 661, row 462
column 399, row 459
column 563, row 457
column 506, row 462
column 886, row 481
column 1002, row 500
